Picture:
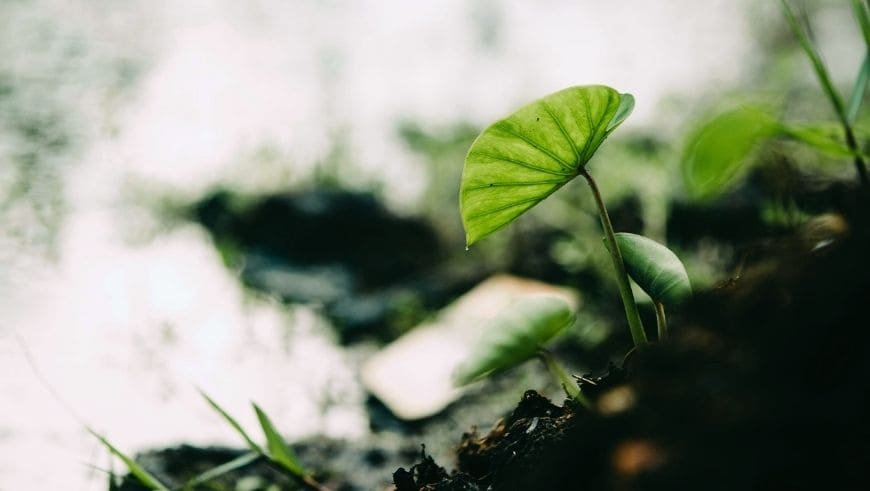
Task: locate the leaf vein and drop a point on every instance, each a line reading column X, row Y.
column 515, row 184
column 535, row 145
column 521, row 163
column 562, row 129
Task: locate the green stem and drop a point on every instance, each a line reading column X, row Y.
column 634, row 323
column 661, row 321
column 568, row 383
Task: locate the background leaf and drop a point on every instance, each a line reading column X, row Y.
column 522, row 159
column 655, row 268
column 515, row 336
column 718, row 151
column 279, row 451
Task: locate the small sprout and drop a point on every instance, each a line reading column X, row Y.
column 515, row 336
column 524, row 158
column 655, row 268
column 279, row 451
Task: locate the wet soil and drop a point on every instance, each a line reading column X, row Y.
column 764, row 385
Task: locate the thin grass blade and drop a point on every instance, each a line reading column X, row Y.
column 816, row 59
column 859, row 90
column 139, row 472
column 214, row 473
column 279, row 451
column 232, row 422
column 863, row 16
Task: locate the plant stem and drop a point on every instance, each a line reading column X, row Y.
column 634, row 323
column 661, row 321
column 568, row 383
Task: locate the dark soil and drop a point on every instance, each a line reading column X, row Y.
column 764, row 385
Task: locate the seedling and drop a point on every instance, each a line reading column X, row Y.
column 277, row 453
column 718, row 152
column 518, row 162
column 522, row 159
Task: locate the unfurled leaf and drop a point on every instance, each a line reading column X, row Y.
column 232, row 422
column 279, row 451
column 515, row 336
column 522, row 159
column 655, row 268
column 139, row 472
column 718, row 151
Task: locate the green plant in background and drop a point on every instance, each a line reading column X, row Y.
column 717, row 154
column 277, row 453
column 522, row 159
column 517, row 335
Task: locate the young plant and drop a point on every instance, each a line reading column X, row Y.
column 522, row 159
column 718, row 152
column 277, row 453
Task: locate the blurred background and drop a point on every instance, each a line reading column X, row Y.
column 253, row 197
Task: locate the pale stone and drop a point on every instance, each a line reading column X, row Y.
column 413, row 376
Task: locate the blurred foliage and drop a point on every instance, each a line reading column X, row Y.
column 53, row 82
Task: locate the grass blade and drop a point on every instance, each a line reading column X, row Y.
column 863, row 17
column 222, row 469
column 858, row 90
column 145, row 477
column 232, row 422
column 279, row 451
column 816, row 60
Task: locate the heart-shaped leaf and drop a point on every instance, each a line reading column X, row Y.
column 718, row 151
column 522, row 159
column 515, row 336
column 655, row 268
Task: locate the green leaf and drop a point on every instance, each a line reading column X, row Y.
column 718, row 151
column 145, row 477
column 522, row 159
column 655, row 268
column 279, row 451
column 232, row 422
column 515, row 336
column 222, row 469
